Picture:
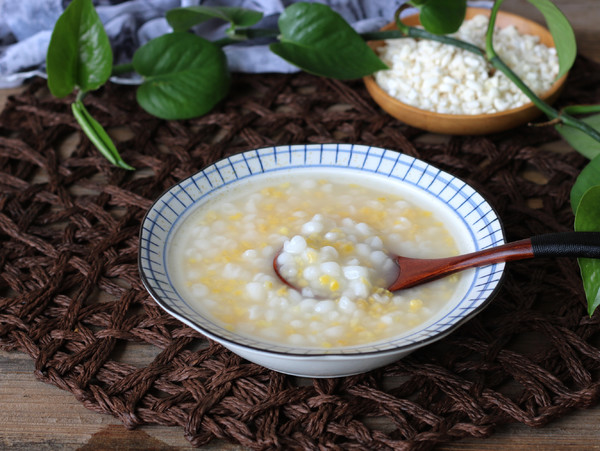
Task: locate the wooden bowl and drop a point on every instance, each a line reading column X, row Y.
column 467, row 124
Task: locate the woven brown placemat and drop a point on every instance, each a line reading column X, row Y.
column 71, row 297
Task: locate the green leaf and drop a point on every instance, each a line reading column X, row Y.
column 587, row 219
column 562, row 33
column 581, row 109
column 182, row 19
column 588, row 178
column 318, row 40
column 97, row 135
column 582, row 142
column 441, row 16
column 184, row 76
column 79, row 52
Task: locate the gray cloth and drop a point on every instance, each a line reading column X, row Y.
column 26, row 27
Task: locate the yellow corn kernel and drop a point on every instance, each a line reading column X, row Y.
column 289, row 330
column 311, row 256
column 227, row 319
column 326, row 344
column 415, row 305
column 365, row 282
column 315, row 239
column 358, row 329
column 367, row 336
column 348, row 247
column 284, row 230
column 362, row 304
column 325, row 279
column 375, row 311
column 381, row 325
column 268, row 284
column 235, row 217
column 272, row 192
column 334, row 285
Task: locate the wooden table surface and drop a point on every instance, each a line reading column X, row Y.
column 34, row 415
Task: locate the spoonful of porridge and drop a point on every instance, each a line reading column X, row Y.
column 348, row 259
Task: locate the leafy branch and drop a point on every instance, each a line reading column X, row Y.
column 185, row 76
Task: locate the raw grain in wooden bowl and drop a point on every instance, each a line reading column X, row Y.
column 466, row 124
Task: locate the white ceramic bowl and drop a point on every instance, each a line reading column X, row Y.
column 471, row 219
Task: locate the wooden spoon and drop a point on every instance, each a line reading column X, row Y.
column 415, row 271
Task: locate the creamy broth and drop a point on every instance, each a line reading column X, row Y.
column 222, row 258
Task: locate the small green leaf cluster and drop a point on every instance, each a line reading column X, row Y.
column 80, row 58
column 185, row 76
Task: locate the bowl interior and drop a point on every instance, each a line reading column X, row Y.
column 463, row 124
column 472, row 221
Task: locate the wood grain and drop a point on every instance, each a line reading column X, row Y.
column 35, row 415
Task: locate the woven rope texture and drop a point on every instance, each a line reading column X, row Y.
column 71, row 296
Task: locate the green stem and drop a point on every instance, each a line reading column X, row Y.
column 567, row 119
column 552, row 113
column 582, row 109
column 236, row 35
column 549, row 111
column 489, row 35
column 420, row 33
column 225, row 41
column 496, row 62
column 381, row 35
column 255, row 33
column 121, row 69
column 490, row 55
column 80, row 96
column 96, row 133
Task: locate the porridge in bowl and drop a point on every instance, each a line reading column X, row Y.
column 333, row 238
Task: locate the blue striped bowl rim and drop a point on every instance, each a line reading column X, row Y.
column 461, row 200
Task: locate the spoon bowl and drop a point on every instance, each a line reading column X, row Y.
column 415, row 271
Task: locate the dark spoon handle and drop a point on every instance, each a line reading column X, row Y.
column 567, row 244
column 414, row 271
